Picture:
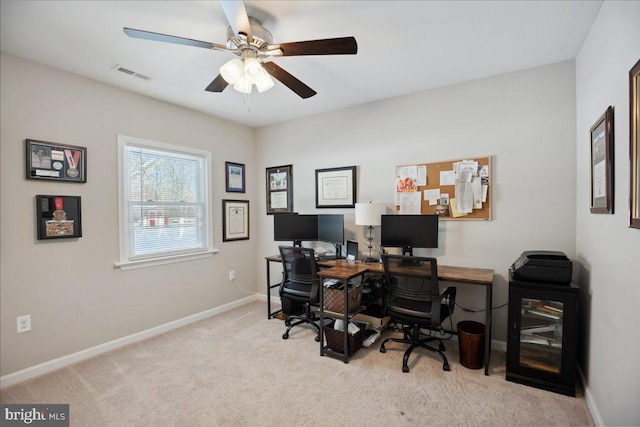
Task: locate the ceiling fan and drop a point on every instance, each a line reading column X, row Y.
column 253, row 45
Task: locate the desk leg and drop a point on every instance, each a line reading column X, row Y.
column 321, row 299
column 270, row 313
column 487, row 338
column 268, row 291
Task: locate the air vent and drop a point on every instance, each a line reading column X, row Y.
column 131, row 73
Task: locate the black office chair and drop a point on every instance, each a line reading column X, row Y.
column 414, row 300
column 300, row 283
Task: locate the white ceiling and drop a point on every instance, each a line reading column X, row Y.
column 403, row 46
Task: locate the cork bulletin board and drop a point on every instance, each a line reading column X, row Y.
column 438, row 184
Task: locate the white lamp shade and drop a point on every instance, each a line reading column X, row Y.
column 263, row 81
column 252, row 67
column 369, row 213
column 243, row 85
column 232, row 70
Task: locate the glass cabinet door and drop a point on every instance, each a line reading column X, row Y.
column 541, row 334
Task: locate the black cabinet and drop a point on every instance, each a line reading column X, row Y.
column 543, row 334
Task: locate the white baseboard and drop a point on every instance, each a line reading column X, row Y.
column 588, row 397
column 70, row 359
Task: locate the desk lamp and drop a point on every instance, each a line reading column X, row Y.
column 369, row 214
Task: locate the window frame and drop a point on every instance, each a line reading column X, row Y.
column 126, row 262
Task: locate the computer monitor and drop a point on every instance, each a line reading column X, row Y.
column 352, row 248
column 295, row 228
column 409, row 231
column 331, row 230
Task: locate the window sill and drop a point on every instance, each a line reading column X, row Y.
column 143, row 263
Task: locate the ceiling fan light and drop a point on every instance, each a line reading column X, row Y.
column 232, row 70
column 243, row 85
column 252, row 67
column 263, row 81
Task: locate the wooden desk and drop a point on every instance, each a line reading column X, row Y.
column 344, row 270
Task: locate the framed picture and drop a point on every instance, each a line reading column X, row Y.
column 234, row 177
column 336, row 187
column 634, row 147
column 602, row 163
column 280, row 189
column 58, row 217
column 235, row 220
column 56, row 162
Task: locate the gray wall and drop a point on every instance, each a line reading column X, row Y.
column 74, row 295
column 608, row 251
column 535, row 123
column 525, row 120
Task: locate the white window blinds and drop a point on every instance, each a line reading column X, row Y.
column 164, row 200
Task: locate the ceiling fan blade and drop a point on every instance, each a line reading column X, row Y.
column 336, row 46
column 237, row 16
column 289, row 81
column 217, row 85
column 148, row 35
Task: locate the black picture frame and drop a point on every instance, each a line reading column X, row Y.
column 279, row 185
column 235, row 220
column 234, row 177
column 55, row 162
column 602, row 163
column 336, row 187
column 58, row 217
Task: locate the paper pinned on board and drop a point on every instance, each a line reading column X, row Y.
column 410, row 203
column 447, row 178
column 453, row 203
column 432, row 196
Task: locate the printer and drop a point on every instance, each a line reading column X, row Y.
column 543, row 266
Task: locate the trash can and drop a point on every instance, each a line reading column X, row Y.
column 471, row 336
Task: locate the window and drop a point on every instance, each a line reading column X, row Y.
column 164, row 203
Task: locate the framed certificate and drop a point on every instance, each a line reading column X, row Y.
column 336, row 187
column 55, row 162
column 634, row 145
column 279, row 189
column 602, row 164
column 235, row 220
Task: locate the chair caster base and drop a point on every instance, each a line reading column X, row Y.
column 285, row 336
column 405, row 369
column 317, row 338
column 383, row 350
column 446, row 368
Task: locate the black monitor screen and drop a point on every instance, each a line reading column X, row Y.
column 331, row 228
column 409, row 231
column 292, row 227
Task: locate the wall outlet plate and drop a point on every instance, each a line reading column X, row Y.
column 24, row 323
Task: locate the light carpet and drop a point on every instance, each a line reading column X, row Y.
column 234, row 369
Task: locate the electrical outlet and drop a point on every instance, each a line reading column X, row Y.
column 232, row 275
column 24, row 323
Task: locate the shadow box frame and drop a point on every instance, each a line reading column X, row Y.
column 50, row 228
column 58, row 162
column 336, row 187
column 235, row 220
column 602, row 172
column 279, row 186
